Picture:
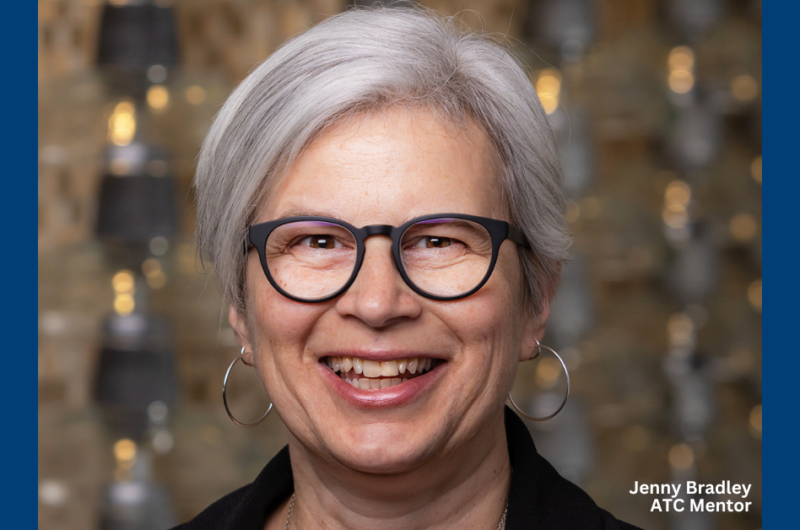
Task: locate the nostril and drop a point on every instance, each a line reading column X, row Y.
column 378, row 301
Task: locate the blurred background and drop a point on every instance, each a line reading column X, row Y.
column 657, row 108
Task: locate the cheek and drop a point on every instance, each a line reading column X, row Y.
column 491, row 320
column 498, row 315
column 277, row 324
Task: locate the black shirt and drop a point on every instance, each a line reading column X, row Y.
column 539, row 498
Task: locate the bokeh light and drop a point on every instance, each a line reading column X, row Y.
column 744, row 88
column 681, row 456
column 123, row 282
column 125, row 450
column 158, row 97
column 547, row 372
column 548, row 88
column 743, row 226
column 755, row 169
column 681, row 67
column 195, row 95
column 122, row 124
column 754, row 295
column 755, row 421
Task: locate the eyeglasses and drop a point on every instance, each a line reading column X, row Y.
column 441, row 256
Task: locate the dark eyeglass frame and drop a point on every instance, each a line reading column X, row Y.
column 498, row 230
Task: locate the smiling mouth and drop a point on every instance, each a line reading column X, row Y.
column 374, row 375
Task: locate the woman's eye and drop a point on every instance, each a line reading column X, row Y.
column 434, row 242
column 321, row 241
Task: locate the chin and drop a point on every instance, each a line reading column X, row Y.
column 383, row 449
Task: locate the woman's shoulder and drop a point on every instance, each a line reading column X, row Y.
column 540, row 497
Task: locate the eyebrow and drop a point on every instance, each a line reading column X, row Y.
column 298, row 212
column 301, row 212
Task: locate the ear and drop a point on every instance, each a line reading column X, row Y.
column 239, row 325
column 535, row 326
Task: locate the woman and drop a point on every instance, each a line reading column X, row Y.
column 398, row 192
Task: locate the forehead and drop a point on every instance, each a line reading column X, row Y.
column 388, row 167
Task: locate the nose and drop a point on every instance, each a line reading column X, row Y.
column 379, row 296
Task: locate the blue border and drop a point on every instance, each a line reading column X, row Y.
column 20, row 127
column 780, row 221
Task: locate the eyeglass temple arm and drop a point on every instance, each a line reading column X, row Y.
column 516, row 235
column 246, row 244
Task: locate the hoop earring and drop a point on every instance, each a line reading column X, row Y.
column 225, row 398
column 539, row 347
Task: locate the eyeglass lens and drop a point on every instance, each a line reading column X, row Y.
column 444, row 257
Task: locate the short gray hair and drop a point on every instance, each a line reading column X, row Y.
column 367, row 60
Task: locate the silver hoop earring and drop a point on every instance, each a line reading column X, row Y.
column 225, row 397
column 539, row 347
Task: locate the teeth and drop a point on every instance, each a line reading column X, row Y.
column 366, row 383
column 389, row 368
column 371, row 368
column 412, row 365
column 378, row 374
column 402, row 364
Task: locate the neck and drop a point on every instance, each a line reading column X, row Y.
column 466, row 488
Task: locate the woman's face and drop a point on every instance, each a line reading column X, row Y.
column 386, row 169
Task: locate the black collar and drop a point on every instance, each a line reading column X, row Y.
column 539, row 499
